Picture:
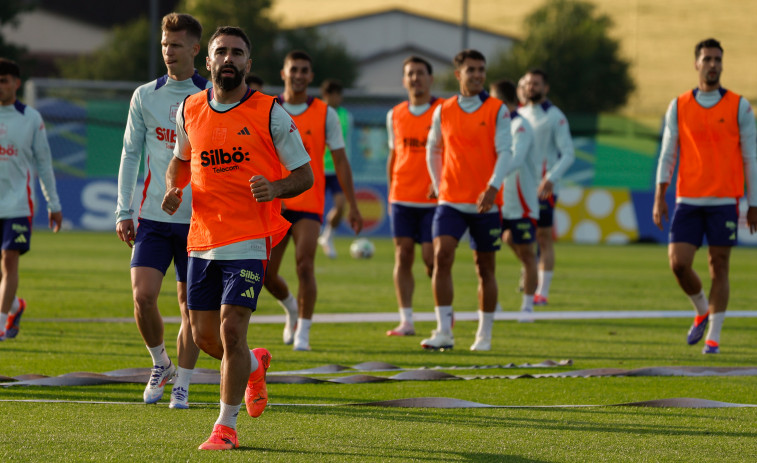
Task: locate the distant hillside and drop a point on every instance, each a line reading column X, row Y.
column 658, row 37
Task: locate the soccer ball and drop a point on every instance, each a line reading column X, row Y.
column 361, row 248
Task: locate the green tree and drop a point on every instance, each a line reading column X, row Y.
column 571, row 43
column 9, row 11
column 125, row 55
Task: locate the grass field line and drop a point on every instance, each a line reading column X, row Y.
column 388, row 317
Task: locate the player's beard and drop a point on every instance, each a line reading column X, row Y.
column 535, row 98
column 228, row 83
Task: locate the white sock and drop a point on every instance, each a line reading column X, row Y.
column 253, row 362
column 228, row 415
column 715, row 325
column 183, row 376
column 406, row 315
column 159, row 355
column 700, row 302
column 3, row 321
column 443, row 318
column 327, row 231
column 302, row 334
column 485, row 324
column 528, row 303
column 14, row 306
column 289, row 304
column 545, row 281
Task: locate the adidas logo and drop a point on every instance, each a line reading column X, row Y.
column 20, row 239
column 482, row 124
column 249, row 293
column 244, row 131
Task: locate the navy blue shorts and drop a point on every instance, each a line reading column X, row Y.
column 547, row 212
column 213, row 283
column 485, row 229
column 332, row 184
column 412, row 222
column 295, row 216
column 523, row 231
column 16, row 234
column 157, row 243
column 718, row 223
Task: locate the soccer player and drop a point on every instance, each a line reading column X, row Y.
column 520, row 211
column 319, row 127
column 468, row 149
column 522, row 98
column 713, row 129
column 554, row 147
column 254, row 82
column 331, row 93
column 159, row 238
column 411, row 200
column 231, row 144
column 24, row 154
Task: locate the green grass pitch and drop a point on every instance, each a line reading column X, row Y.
column 74, row 275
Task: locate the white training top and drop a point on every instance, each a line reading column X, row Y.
column 520, row 192
column 291, row 153
column 747, row 132
column 151, row 127
column 24, row 155
column 334, row 136
column 502, row 145
column 554, row 145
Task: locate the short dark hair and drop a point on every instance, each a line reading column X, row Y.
column 468, row 53
column 506, row 90
column 419, row 60
column 230, row 30
column 177, row 22
column 252, row 78
column 331, row 86
column 707, row 43
column 298, row 54
column 9, row 67
column 539, row 72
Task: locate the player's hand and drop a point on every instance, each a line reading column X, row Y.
column 356, row 220
column 660, row 211
column 55, row 220
column 545, row 189
column 171, row 201
column 486, row 200
column 262, row 189
column 751, row 219
column 125, row 231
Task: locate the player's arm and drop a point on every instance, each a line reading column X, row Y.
column 434, row 149
column 298, row 181
column 390, row 142
column 179, row 172
column 503, row 142
column 128, row 171
column 748, row 136
column 666, row 164
column 335, row 141
column 564, row 144
column 44, row 164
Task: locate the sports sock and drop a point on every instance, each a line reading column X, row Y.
column 714, row 327
column 699, row 301
column 443, row 318
column 228, row 415
column 159, row 355
column 183, row 376
column 485, row 323
column 406, row 315
column 289, row 304
column 3, row 321
column 327, row 231
column 528, row 303
column 545, row 281
column 253, row 362
column 302, row 334
column 14, row 306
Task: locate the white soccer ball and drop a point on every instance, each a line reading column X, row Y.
column 362, row 248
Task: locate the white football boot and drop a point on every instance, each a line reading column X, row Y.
column 159, row 376
column 482, row 344
column 439, row 340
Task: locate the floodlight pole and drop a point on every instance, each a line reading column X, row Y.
column 464, row 27
column 152, row 66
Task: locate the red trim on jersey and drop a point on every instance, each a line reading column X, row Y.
column 523, row 203
column 29, row 194
column 147, row 184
